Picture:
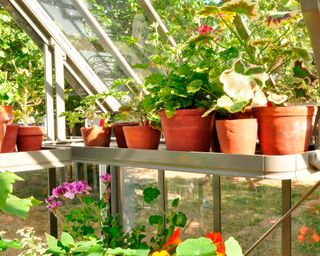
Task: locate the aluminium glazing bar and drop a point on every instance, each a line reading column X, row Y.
column 152, row 15
column 106, row 42
column 311, row 15
column 48, row 72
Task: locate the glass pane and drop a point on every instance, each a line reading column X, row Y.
column 72, row 24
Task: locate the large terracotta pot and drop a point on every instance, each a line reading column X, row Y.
column 96, row 136
column 285, row 130
column 6, row 117
column 187, row 130
column 30, row 138
column 10, row 138
column 238, row 136
column 118, row 132
column 142, row 137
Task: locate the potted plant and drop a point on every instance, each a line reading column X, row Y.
column 27, row 98
column 93, row 135
column 181, row 89
column 147, row 134
column 8, row 131
column 122, row 118
column 270, row 41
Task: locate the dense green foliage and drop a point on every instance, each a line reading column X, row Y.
column 21, row 70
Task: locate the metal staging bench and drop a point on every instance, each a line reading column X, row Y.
column 284, row 168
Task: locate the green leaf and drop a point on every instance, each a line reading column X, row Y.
column 239, row 67
column 155, row 220
column 228, row 54
column 302, row 53
column 245, row 7
column 19, row 207
column 66, row 239
column 180, row 219
column 255, row 70
column 231, row 106
column 194, row 86
column 208, row 11
column 299, row 72
column 5, row 244
column 150, row 194
column 233, row 248
column 53, row 246
column 7, row 179
column 88, row 200
column 127, row 252
column 91, row 247
column 196, row 247
column 175, row 202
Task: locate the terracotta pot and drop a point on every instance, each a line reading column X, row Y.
column 187, row 130
column 10, row 138
column 96, row 136
column 6, row 115
column 237, row 136
column 118, row 132
column 30, row 138
column 142, row 137
column 285, row 130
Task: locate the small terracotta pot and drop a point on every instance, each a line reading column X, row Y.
column 187, row 130
column 29, row 138
column 10, row 138
column 142, row 137
column 237, row 136
column 118, row 132
column 96, row 136
column 285, row 130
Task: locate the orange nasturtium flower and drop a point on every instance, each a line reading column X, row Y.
column 161, row 253
column 174, row 240
column 216, row 239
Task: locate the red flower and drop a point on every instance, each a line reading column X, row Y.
column 315, row 236
column 301, row 238
column 270, row 104
column 303, row 230
column 216, row 239
column 204, row 29
column 174, row 240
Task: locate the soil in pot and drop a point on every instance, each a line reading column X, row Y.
column 187, row 130
column 285, row 130
column 10, row 138
column 29, row 138
column 118, row 133
column 142, row 137
column 96, row 136
column 238, row 136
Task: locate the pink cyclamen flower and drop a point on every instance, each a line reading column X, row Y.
column 76, row 187
column 106, row 178
column 52, row 202
column 204, row 29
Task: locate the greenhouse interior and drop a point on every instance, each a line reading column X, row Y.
column 120, row 127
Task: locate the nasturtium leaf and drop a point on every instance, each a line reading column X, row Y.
column 150, row 194
column 196, row 247
column 180, row 219
column 92, row 247
column 127, row 252
column 233, row 248
column 194, row 86
column 53, row 246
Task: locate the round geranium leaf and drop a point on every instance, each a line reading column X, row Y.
column 196, row 247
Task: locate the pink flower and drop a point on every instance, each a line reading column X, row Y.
column 106, row 178
column 76, row 187
column 59, row 191
column 52, row 202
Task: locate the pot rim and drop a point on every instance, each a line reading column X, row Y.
column 300, row 110
column 185, row 112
